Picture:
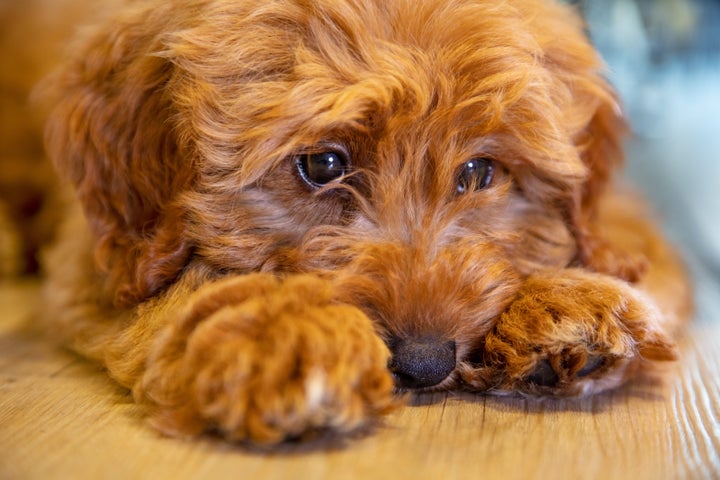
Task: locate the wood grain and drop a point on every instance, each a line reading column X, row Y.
column 61, row 417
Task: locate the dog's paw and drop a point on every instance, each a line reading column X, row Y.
column 574, row 333
column 261, row 360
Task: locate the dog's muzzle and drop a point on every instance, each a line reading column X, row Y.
column 421, row 363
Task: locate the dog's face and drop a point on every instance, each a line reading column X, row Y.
column 423, row 156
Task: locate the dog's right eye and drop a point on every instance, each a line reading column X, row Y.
column 319, row 169
column 477, row 174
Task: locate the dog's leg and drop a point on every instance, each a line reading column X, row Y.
column 577, row 331
column 261, row 359
column 252, row 357
column 574, row 332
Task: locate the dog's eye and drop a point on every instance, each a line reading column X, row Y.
column 319, row 169
column 475, row 175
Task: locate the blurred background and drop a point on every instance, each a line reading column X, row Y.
column 664, row 58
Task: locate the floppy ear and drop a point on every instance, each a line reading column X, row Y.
column 111, row 134
column 601, row 152
column 597, row 128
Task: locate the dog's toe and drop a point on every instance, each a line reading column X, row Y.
column 592, row 364
column 560, row 373
column 543, row 375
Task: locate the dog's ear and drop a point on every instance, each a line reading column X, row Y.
column 597, row 129
column 110, row 132
column 601, row 150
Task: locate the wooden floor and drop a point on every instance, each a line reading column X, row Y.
column 60, row 417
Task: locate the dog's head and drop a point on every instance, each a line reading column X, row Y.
column 422, row 155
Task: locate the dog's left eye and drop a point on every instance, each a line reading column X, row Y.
column 319, row 169
column 476, row 174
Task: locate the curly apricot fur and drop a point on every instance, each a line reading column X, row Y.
column 231, row 296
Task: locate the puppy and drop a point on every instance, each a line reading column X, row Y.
column 288, row 211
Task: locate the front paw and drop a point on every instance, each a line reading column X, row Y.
column 276, row 361
column 574, row 333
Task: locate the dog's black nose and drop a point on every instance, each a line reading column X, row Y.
column 421, row 363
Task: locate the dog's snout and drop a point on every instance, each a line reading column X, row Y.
column 421, row 363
